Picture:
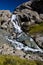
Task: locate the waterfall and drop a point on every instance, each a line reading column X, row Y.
column 16, row 43
column 14, row 21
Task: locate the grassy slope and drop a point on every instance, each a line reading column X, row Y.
column 37, row 28
column 14, row 60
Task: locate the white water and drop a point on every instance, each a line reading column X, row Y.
column 15, row 43
column 14, row 21
column 21, row 46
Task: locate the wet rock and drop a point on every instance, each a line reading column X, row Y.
column 27, row 40
column 14, row 35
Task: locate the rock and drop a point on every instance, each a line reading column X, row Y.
column 4, row 17
column 28, row 16
column 5, row 14
column 28, row 56
column 14, row 35
column 4, row 26
column 41, row 16
column 39, row 40
column 37, row 6
column 33, row 57
column 6, row 49
column 2, row 37
column 20, row 53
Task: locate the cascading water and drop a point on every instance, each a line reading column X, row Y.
column 17, row 43
column 15, row 24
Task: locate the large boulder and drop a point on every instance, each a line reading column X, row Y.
column 4, row 17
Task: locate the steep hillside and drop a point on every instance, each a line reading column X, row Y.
column 21, row 32
column 31, row 19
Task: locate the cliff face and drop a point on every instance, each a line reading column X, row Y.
column 30, row 12
column 31, row 19
column 38, row 6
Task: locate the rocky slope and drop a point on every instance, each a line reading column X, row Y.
column 31, row 23
column 31, row 19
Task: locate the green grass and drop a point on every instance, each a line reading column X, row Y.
column 14, row 60
column 37, row 28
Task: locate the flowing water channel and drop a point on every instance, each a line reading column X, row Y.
column 19, row 43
